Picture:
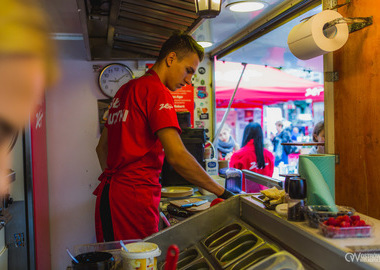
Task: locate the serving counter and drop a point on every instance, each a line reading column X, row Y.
column 311, row 248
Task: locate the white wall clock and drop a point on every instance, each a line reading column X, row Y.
column 112, row 77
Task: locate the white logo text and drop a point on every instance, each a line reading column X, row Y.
column 313, row 91
column 118, row 116
column 165, row 106
column 254, row 165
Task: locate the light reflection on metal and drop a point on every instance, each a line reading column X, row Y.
column 205, row 44
column 262, row 179
column 203, row 35
column 245, row 6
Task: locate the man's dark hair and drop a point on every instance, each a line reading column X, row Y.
column 181, row 44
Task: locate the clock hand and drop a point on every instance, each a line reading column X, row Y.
column 117, row 80
column 121, row 77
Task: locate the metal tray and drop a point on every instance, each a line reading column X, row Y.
column 222, row 236
column 279, row 261
column 186, row 257
column 236, row 249
column 261, row 253
column 200, row 264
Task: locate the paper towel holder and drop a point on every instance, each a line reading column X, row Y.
column 354, row 23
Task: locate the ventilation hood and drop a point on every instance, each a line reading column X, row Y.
column 132, row 29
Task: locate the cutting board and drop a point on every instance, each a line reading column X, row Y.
column 199, row 208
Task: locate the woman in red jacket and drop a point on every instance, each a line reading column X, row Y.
column 253, row 156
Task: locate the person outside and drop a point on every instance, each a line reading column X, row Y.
column 295, row 134
column 141, row 129
column 281, row 152
column 226, row 145
column 28, row 64
column 318, row 136
column 253, row 156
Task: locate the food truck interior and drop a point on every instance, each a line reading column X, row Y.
column 53, row 205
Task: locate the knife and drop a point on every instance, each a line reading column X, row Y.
column 193, row 204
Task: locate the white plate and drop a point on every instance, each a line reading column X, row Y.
column 282, row 209
column 176, row 191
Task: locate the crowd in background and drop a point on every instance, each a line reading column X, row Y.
column 253, row 156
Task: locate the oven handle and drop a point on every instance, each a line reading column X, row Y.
column 3, row 250
column 262, row 179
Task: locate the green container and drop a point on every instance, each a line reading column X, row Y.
column 319, row 172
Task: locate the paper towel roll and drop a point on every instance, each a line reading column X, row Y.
column 319, row 172
column 309, row 39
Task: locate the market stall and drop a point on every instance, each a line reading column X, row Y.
column 261, row 85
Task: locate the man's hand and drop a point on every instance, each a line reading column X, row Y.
column 226, row 194
column 184, row 163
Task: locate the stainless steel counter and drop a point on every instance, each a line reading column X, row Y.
column 311, row 248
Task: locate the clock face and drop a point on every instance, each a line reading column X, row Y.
column 112, row 77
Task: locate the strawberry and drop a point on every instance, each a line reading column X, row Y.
column 346, row 219
column 339, row 220
column 361, row 223
column 345, row 224
column 332, row 221
column 355, row 218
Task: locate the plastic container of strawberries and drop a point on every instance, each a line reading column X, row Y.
column 346, row 232
column 315, row 213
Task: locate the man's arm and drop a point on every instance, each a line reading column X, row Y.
column 102, row 149
column 184, row 163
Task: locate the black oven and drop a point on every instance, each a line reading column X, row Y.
column 194, row 140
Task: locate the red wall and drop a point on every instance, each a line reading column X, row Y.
column 40, row 188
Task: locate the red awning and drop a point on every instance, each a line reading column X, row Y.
column 261, row 85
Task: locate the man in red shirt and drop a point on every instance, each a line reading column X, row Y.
column 141, row 125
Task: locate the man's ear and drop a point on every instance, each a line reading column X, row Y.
column 170, row 58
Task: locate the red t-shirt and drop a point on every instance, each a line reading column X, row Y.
column 245, row 158
column 135, row 157
column 139, row 109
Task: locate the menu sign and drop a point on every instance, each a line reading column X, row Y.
column 184, row 101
